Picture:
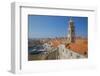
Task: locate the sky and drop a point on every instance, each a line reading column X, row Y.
column 42, row 26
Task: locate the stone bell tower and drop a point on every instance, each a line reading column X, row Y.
column 71, row 31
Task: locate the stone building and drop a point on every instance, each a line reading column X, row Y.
column 71, row 32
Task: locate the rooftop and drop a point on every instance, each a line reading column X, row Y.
column 80, row 46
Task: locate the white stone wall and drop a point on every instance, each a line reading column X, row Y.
column 68, row 54
column 62, row 52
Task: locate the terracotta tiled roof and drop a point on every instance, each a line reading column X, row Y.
column 79, row 47
column 55, row 43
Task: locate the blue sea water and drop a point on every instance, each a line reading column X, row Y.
column 35, row 49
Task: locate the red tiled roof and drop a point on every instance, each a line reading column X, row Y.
column 79, row 47
column 55, row 43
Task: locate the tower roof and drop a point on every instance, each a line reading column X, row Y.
column 70, row 19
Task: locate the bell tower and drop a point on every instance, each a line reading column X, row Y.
column 71, row 31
